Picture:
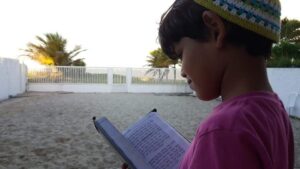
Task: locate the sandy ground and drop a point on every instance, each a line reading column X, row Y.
column 55, row 130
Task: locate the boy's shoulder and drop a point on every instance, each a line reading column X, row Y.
column 244, row 113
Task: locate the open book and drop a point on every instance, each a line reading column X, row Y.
column 150, row 143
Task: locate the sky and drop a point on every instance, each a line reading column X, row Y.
column 116, row 33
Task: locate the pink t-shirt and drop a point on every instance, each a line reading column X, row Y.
column 251, row 131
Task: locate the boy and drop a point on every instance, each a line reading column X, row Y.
column 223, row 45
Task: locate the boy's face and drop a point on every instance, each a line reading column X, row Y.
column 202, row 66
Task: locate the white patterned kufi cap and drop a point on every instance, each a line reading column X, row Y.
column 259, row 16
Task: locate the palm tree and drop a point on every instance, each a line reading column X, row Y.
column 51, row 50
column 290, row 30
column 158, row 59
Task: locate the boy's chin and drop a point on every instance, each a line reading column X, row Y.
column 204, row 97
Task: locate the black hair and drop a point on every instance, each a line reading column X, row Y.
column 184, row 19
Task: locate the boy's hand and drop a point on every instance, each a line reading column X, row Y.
column 125, row 166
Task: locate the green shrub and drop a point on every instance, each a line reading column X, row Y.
column 279, row 62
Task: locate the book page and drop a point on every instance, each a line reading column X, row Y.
column 121, row 144
column 161, row 145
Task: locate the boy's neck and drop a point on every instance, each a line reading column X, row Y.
column 243, row 74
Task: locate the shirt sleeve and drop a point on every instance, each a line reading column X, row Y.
column 226, row 149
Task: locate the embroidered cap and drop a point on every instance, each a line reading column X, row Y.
column 259, row 16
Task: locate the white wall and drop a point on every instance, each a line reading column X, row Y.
column 64, row 87
column 286, row 83
column 162, row 88
column 12, row 78
column 105, row 88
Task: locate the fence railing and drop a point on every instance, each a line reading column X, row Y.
column 157, row 76
column 61, row 74
column 76, row 75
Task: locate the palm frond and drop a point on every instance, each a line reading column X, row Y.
column 52, row 47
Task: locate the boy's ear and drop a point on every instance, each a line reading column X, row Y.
column 216, row 25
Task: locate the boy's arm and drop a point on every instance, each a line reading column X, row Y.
column 222, row 149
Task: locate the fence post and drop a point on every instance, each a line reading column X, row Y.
column 128, row 78
column 20, row 77
column 110, row 76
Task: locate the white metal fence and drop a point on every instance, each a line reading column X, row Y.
column 64, row 74
column 87, row 79
column 157, row 76
column 77, row 75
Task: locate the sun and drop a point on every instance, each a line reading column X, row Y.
column 31, row 64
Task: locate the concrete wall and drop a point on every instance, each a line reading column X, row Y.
column 12, row 78
column 105, row 88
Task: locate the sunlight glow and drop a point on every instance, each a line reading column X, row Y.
column 31, row 64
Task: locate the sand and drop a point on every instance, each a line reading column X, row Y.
column 55, row 130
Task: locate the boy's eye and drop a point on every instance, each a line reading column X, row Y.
column 179, row 55
column 178, row 52
column 179, row 58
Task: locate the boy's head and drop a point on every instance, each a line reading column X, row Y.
column 252, row 24
column 215, row 37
